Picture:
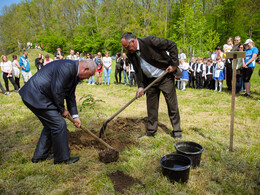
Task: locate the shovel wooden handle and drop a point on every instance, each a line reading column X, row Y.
column 102, row 129
column 131, row 101
column 90, row 133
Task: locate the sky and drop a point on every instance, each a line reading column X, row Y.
column 8, row 3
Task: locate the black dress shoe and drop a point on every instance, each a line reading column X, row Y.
column 69, row 161
column 49, row 157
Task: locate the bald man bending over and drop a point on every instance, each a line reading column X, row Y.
column 44, row 95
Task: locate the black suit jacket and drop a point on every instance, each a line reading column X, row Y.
column 124, row 60
column 153, row 50
column 55, row 82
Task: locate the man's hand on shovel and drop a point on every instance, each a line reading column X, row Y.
column 171, row 69
column 78, row 122
column 66, row 114
column 140, row 92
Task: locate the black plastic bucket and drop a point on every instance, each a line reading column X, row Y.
column 191, row 149
column 176, row 167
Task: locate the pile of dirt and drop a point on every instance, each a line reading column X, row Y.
column 126, row 129
column 127, row 125
column 79, row 140
column 122, row 181
column 108, row 156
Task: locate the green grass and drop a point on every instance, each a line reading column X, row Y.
column 205, row 119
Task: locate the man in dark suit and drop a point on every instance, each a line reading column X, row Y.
column 44, row 95
column 150, row 59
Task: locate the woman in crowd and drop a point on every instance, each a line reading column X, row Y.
column 99, row 64
column 107, row 61
column 239, row 70
column 228, row 64
column 16, row 71
column 47, row 60
column 6, row 67
column 249, row 64
column 91, row 79
column 125, row 66
column 119, row 68
column 39, row 62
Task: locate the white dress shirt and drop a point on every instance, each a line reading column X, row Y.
column 149, row 70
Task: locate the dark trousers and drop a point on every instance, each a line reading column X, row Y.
column 54, row 134
column 191, row 82
column 229, row 75
column 209, row 82
column 6, row 81
column 118, row 71
column 17, row 82
column 132, row 78
column 167, row 87
column 1, row 87
column 199, row 80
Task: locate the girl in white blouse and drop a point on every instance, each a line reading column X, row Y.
column 6, row 67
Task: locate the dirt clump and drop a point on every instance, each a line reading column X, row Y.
column 123, row 181
column 108, row 156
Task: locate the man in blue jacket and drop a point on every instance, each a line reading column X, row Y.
column 26, row 69
column 44, row 95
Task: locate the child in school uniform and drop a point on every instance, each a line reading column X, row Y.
column 198, row 73
column 185, row 75
column 205, row 60
column 209, row 81
column 192, row 66
column 219, row 74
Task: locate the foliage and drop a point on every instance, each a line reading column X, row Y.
column 91, row 25
column 89, row 102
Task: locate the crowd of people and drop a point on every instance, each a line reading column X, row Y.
column 59, row 79
column 12, row 70
column 211, row 72
column 198, row 73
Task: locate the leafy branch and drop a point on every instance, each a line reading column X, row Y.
column 88, row 101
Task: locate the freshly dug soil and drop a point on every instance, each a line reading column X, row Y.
column 120, row 134
column 124, row 127
column 108, row 156
column 122, row 181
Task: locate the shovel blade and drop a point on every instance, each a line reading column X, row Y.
column 102, row 130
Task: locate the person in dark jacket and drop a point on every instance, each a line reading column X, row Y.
column 119, row 68
column 39, row 62
column 44, row 95
column 150, row 60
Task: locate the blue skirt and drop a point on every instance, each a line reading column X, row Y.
column 221, row 76
column 185, row 74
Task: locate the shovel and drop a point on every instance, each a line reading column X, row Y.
column 103, row 128
column 91, row 134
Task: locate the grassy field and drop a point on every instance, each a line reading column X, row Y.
column 205, row 119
